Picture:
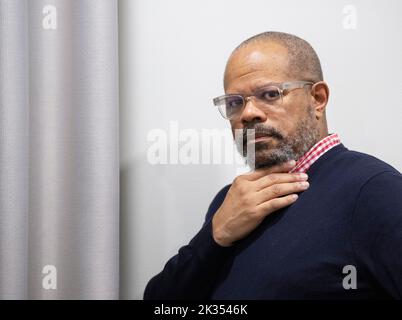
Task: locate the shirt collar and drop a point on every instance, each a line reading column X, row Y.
column 315, row 152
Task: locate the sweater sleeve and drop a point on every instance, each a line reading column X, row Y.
column 192, row 273
column 377, row 230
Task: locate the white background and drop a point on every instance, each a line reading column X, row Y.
column 172, row 57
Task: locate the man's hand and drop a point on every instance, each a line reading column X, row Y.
column 252, row 197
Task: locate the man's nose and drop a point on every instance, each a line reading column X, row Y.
column 251, row 112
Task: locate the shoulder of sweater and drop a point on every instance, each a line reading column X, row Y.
column 345, row 163
column 364, row 163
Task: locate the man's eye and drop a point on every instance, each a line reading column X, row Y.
column 270, row 94
column 234, row 102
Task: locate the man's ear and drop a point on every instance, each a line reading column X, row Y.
column 319, row 96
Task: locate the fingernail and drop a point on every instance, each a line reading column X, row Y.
column 292, row 163
column 303, row 176
column 304, row 184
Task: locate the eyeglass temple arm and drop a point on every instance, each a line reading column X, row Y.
column 288, row 86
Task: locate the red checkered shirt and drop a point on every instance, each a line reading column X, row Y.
column 315, row 152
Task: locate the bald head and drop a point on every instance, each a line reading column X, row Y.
column 295, row 56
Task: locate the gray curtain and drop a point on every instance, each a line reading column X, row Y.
column 59, row 149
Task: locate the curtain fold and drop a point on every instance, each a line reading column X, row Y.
column 14, row 149
column 59, row 149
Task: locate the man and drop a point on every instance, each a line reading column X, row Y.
column 328, row 226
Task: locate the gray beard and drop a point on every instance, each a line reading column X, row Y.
column 286, row 148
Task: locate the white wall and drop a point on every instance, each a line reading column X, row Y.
column 172, row 56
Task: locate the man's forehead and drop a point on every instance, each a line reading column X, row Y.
column 269, row 58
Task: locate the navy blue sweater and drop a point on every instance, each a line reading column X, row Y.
column 350, row 216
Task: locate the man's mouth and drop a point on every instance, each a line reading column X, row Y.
column 258, row 138
column 262, row 138
column 261, row 135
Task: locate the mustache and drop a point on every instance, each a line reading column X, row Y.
column 261, row 130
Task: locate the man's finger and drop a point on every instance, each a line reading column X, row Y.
column 277, row 178
column 273, row 205
column 282, row 189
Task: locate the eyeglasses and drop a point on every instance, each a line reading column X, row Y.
column 231, row 105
